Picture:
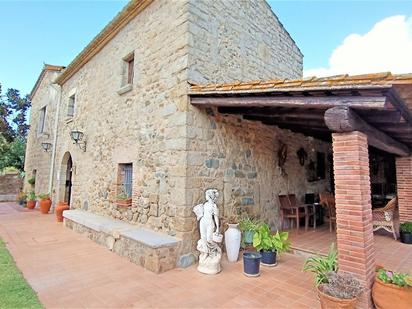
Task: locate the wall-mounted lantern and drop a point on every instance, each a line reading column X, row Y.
column 77, row 137
column 46, row 146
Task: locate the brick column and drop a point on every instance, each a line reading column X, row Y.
column 404, row 184
column 355, row 243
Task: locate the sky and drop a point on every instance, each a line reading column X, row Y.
column 335, row 36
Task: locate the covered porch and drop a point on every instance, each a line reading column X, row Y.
column 357, row 115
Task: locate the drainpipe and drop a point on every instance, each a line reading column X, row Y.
column 56, row 125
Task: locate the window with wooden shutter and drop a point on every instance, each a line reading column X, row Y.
column 42, row 120
column 125, row 179
column 71, row 105
column 130, row 70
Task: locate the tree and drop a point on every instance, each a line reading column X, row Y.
column 14, row 155
column 13, row 128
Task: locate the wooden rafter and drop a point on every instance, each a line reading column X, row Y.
column 344, row 119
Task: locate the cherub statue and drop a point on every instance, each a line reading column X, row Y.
column 210, row 252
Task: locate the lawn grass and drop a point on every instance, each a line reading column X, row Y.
column 15, row 292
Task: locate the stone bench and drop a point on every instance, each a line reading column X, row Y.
column 154, row 251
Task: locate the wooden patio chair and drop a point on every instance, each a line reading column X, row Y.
column 291, row 210
column 328, row 200
column 383, row 218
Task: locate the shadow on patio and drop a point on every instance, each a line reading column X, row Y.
column 390, row 253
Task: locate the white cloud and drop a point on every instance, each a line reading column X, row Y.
column 386, row 47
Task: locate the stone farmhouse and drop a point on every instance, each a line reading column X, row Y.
column 160, row 106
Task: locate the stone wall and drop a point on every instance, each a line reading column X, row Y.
column 144, row 126
column 154, row 127
column 36, row 158
column 239, row 158
column 239, row 40
column 10, row 186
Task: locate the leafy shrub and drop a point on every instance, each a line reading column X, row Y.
column 249, row 224
column 31, row 196
column 406, row 227
column 21, row 197
column 263, row 240
column 391, row 277
column 343, row 286
column 322, row 265
column 44, row 196
column 31, row 181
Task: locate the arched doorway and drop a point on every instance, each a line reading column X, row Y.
column 66, row 177
column 68, row 183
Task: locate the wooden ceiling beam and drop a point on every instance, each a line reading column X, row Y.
column 344, row 119
column 299, row 122
column 357, row 102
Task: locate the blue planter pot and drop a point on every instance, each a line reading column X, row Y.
column 248, row 237
column 268, row 258
column 251, row 264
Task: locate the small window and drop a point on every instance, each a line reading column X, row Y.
column 125, row 179
column 71, row 105
column 42, row 120
column 130, row 71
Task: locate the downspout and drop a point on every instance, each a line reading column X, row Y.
column 56, row 125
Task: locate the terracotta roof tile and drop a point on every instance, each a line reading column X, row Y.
column 337, row 81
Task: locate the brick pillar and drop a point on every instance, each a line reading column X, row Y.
column 404, row 184
column 355, row 243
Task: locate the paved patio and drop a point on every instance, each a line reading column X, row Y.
column 68, row 270
column 389, row 253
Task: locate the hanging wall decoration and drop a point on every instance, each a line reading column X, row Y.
column 302, row 155
column 282, row 156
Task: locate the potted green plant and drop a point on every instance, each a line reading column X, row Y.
column 21, row 198
column 31, row 200
column 392, row 288
column 31, row 181
column 270, row 245
column 406, row 232
column 123, row 200
column 335, row 290
column 248, row 226
column 45, row 203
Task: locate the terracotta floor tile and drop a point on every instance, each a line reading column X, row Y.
column 70, row 271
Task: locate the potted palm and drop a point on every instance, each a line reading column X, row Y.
column 335, row 290
column 406, row 232
column 31, row 200
column 269, row 245
column 45, row 203
column 392, row 288
column 248, row 226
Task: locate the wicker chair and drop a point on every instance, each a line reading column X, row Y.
column 383, row 218
column 328, row 200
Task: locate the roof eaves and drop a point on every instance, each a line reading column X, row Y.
column 131, row 10
column 46, row 67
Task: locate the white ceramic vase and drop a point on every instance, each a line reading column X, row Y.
column 232, row 242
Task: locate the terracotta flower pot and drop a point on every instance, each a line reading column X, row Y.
column 124, row 203
column 45, row 206
column 61, row 206
column 31, row 204
column 330, row 302
column 386, row 295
